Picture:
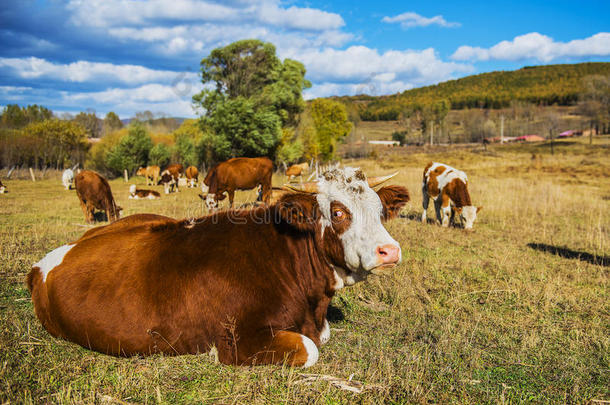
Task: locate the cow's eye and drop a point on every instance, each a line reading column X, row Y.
column 338, row 214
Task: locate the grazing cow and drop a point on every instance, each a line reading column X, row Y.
column 151, row 173
column 448, row 187
column 297, row 170
column 137, row 194
column 237, row 174
column 255, row 285
column 170, row 177
column 94, row 193
column 67, row 178
column 192, row 176
column 3, row 189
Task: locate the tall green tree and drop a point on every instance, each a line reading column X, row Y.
column 331, row 123
column 131, row 152
column 253, row 95
column 159, row 155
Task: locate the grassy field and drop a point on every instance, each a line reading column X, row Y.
column 516, row 311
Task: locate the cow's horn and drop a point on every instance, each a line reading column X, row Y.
column 309, row 187
column 375, row 181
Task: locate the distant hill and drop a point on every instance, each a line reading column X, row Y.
column 542, row 85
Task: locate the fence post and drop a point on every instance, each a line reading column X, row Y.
column 32, row 175
column 126, row 176
column 8, row 176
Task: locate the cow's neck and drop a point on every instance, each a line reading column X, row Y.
column 457, row 190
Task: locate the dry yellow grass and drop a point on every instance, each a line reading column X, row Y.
column 516, row 311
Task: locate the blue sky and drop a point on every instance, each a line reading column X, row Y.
column 129, row 56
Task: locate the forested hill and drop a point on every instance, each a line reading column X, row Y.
column 545, row 85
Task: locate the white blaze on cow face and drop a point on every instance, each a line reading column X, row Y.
column 468, row 215
column 210, row 201
column 52, row 260
column 366, row 243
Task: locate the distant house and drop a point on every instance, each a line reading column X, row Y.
column 529, row 138
column 385, row 143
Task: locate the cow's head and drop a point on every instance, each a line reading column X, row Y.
column 209, row 187
column 347, row 214
column 468, row 215
column 141, row 171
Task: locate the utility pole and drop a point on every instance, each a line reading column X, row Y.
column 501, row 128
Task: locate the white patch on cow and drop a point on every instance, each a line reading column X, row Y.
column 339, row 284
column 366, row 232
column 182, row 182
column 2, row 190
column 52, row 260
column 151, row 196
column 210, row 202
column 67, row 178
column 325, row 334
column 469, row 214
column 204, row 188
column 447, row 176
column 312, row 351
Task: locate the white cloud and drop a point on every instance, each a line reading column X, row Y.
column 539, row 47
column 411, row 19
column 360, row 64
column 84, row 71
column 117, row 13
column 172, row 100
column 358, row 70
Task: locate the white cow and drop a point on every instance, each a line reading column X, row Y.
column 67, row 178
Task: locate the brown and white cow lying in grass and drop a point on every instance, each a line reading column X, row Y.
column 254, row 284
column 448, row 187
column 139, row 194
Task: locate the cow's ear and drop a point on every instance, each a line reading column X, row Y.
column 299, row 210
column 393, row 199
column 479, row 209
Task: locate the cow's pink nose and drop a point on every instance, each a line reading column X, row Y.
column 388, row 254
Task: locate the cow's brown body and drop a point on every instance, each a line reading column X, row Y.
column 94, row 192
column 151, row 173
column 192, row 176
column 297, row 170
column 240, row 174
column 253, row 284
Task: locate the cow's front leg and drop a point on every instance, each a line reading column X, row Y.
column 445, row 210
column 437, row 209
column 425, row 202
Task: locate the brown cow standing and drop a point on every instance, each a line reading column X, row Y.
column 297, row 170
column 151, row 173
column 192, row 176
column 170, row 177
column 94, row 193
column 237, row 174
column 253, row 284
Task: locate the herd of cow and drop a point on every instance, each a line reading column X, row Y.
column 252, row 284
